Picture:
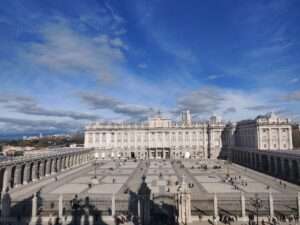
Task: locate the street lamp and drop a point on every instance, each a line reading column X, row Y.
column 95, row 164
column 257, row 203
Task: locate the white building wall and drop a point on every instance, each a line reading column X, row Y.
column 265, row 132
column 122, row 139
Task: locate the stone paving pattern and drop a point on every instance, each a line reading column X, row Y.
column 163, row 177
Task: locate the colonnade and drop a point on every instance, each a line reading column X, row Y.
column 21, row 172
column 282, row 164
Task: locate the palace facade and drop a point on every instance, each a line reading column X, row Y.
column 264, row 133
column 157, row 138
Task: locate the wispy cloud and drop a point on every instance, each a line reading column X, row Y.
column 28, row 106
column 205, row 100
column 65, row 50
column 261, row 107
column 230, row 110
column 293, row 96
column 26, row 125
column 133, row 111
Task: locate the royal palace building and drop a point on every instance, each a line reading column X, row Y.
column 157, row 138
column 265, row 132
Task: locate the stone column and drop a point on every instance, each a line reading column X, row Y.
column 34, row 209
column 26, row 173
column 113, row 205
column 271, row 205
column 290, row 139
column 243, row 207
column 53, row 166
column 216, row 213
column 72, row 161
column 62, row 164
column 48, row 167
column 60, row 206
column 67, row 162
column 34, row 171
column 6, row 179
column 41, row 171
column 75, row 160
column 17, row 177
column 58, row 165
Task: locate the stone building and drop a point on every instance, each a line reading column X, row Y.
column 267, row 132
column 157, row 138
column 296, row 135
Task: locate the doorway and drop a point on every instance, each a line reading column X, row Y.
column 132, row 155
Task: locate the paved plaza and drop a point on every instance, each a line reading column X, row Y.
column 104, row 180
column 111, row 176
column 163, row 177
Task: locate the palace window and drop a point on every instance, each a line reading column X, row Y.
column 125, row 137
column 104, row 137
column 97, row 138
column 112, row 137
column 187, row 137
column 90, row 138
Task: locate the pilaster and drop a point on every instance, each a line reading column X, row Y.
column 34, row 171
column 26, row 173
column 17, row 177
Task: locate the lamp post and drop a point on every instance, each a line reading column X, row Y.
column 95, row 165
column 257, row 204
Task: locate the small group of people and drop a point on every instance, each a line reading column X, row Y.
column 235, row 181
column 283, row 218
column 123, row 219
column 282, row 184
column 227, row 219
column 191, row 185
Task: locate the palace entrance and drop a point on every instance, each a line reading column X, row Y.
column 159, row 153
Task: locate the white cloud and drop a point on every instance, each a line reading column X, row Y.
column 229, row 103
column 28, row 106
column 97, row 101
column 64, row 49
column 293, row 96
column 117, row 42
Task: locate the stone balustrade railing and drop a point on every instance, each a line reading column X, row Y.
column 24, row 170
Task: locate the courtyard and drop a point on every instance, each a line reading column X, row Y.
column 163, row 177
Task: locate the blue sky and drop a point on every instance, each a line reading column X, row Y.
column 67, row 63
